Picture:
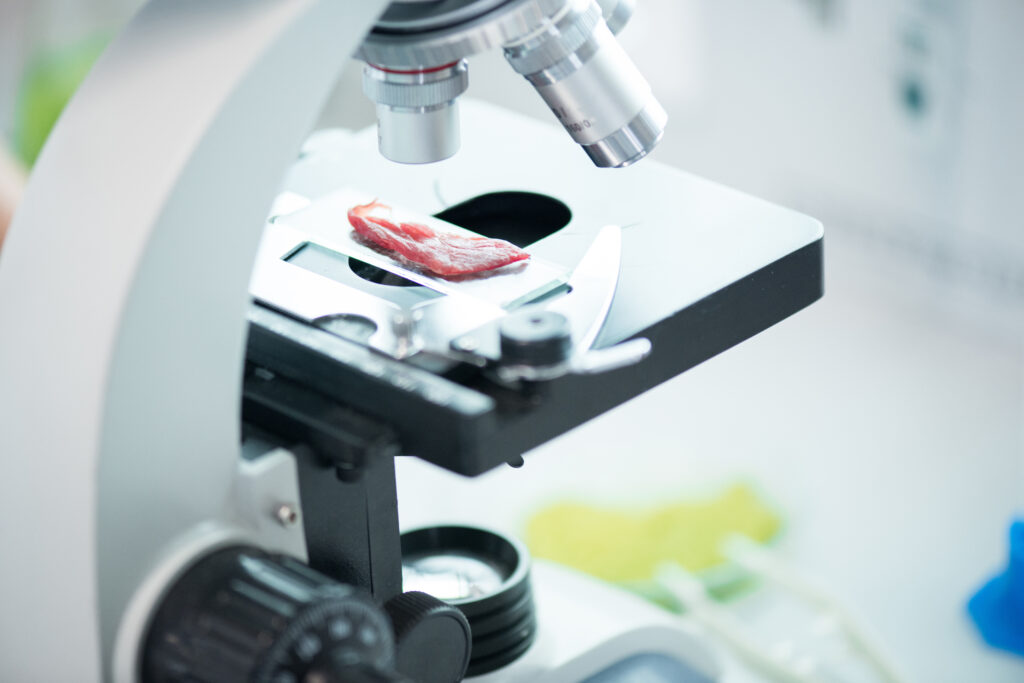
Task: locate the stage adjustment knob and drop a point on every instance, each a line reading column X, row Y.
column 535, row 339
column 433, row 638
column 243, row 615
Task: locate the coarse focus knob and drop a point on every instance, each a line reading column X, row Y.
column 243, row 615
column 433, row 638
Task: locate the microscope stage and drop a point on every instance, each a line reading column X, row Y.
column 703, row 268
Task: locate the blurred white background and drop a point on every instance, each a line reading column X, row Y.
column 887, row 421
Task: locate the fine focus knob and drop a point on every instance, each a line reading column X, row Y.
column 433, row 638
column 243, row 615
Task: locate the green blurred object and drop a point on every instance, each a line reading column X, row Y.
column 627, row 546
column 49, row 81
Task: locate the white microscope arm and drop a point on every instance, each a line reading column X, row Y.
column 123, row 289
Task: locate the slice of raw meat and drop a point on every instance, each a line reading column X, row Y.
column 442, row 253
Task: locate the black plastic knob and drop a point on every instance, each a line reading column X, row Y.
column 243, row 615
column 433, row 638
column 535, row 338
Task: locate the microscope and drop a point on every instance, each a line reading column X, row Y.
column 199, row 454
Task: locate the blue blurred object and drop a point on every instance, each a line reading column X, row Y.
column 998, row 607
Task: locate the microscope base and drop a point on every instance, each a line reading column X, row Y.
column 592, row 632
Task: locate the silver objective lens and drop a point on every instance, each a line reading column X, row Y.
column 617, row 13
column 417, row 112
column 592, row 86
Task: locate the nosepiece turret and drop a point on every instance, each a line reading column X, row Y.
column 565, row 49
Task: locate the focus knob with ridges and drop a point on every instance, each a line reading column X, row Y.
column 432, row 637
column 241, row 615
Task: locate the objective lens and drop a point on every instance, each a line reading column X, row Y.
column 417, row 111
column 592, row 86
column 617, row 13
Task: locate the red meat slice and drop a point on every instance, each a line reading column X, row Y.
column 440, row 252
